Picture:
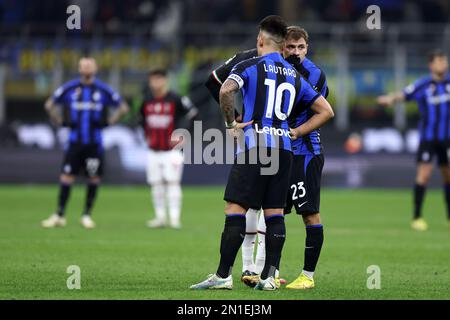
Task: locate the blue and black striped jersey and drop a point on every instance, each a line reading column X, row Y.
column 271, row 89
column 309, row 144
column 433, row 99
column 85, row 109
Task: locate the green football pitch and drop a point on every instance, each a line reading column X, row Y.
column 123, row 259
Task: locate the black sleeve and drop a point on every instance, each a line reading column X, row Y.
column 185, row 112
column 213, row 87
column 220, row 74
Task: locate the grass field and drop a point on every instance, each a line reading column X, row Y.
column 122, row 259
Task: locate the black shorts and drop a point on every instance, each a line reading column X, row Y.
column 249, row 187
column 427, row 150
column 88, row 157
column 304, row 187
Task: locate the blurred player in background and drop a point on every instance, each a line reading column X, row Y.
column 163, row 112
column 83, row 106
column 306, row 173
column 432, row 94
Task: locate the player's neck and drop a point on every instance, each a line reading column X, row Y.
column 269, row 50
column 87, row 82
column 438, row 77
column 160, row 94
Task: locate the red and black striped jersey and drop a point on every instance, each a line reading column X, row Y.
column 161, row 116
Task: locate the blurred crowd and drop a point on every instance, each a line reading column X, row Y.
column 114, row 13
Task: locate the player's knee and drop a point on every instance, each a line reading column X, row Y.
column 271, row 212
column 311, row 218
column 95, row 180
column 231, row 208
column 67, row 179
column 174, row 190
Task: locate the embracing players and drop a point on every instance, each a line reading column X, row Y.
column 305, row 181
column 83, row 106
column 432, row 94
column 271, row 89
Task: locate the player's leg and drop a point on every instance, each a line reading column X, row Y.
column 158, row 189
column 173, row 171
column 243, row 191
column 313, row 246
column 93, row 167
column 65, row 185
column 424, row 170
column 91, row 195
column 70, row 167
column 273, row 205
column 307, row 175
column 444, row 161
column 261, row 248
column 232, row 237
column 248, row 246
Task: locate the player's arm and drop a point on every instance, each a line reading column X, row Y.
column 119, row 113
column 51, row 108
column 322, row 114
column 390, row 99
column 226, row 98
column 213, row 85
column 186, row 112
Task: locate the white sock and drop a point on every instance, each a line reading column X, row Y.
column 261, row 250
column 309, row 274
column 174, row 201
column 158, row 191
column 248, row 246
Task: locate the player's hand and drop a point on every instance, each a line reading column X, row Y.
column 236, row 131
column 294, row 60
column 294, row 133
column 385, row 100
column 177, row 140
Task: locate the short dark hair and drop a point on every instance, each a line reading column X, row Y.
column 296, row 33
column 274, row 25
column 435, row 53
column 158, row 72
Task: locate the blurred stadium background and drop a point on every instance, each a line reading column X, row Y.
column 124, row 259
column 38, row 52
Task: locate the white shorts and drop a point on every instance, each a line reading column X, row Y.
column 164, row 166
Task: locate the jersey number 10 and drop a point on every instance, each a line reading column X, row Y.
column 276, row 96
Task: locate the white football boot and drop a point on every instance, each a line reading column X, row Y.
column 214, row 282
column 268, row 284
column 54, row 221
column 87, row 222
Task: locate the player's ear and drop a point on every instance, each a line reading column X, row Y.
column 259, row 41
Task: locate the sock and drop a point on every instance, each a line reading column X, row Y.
column 248, row 246
column 447, row 199
column 158, row 191
column 232, row 237
column 309, row 274
column 174, row 201
column 313, row 245
column 419, row 193
column 261, row 248
column 64, row 193
column 91, row 194
column 275, row 237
